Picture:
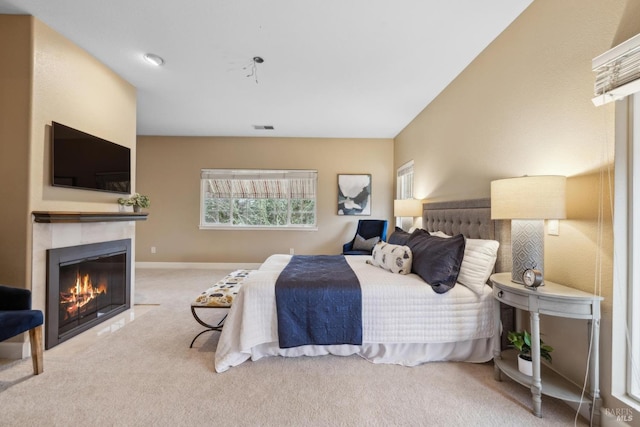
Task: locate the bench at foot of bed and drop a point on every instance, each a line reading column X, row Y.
column 220, row 295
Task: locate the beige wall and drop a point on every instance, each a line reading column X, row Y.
column 524, row 107
column 15, row 87
column 73, row 88
column 169, row 172
column 44, row 78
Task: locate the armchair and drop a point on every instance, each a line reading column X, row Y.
column 16, row 317
column 367, row 229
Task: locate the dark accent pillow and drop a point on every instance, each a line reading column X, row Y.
column 399, row 237
column 436, row 259
column 362, row 244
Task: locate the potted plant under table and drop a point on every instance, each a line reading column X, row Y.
column 522, row 342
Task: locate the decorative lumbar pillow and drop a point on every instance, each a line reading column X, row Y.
column 393, row 258
column 399, row 237
column 437, row 259
column 362, row 244
column 477, row 264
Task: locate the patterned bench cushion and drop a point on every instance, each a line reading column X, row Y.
column 223, row 292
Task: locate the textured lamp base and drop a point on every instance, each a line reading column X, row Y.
column 527, row 246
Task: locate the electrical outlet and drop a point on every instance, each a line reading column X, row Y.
column 153, row 249
column 553, row 227
column 291, row 251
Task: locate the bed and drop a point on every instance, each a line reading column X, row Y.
column 403, row 320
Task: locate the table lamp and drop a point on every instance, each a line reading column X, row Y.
column 527, row 201
column 407, row 208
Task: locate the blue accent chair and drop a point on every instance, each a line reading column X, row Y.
column 367, row 228
column 16, row 317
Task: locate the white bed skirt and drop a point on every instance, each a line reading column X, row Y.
column 475, row 351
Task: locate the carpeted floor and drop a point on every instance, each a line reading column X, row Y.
column 143, row 373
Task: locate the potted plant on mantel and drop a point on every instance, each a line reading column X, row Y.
column 522, row 341
column 138, row 201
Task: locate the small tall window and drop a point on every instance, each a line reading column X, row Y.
column 258, row 198
column 404, row 185
column 404, row 181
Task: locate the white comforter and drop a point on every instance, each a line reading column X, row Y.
column 403, row 320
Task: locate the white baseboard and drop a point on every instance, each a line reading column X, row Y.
column 15, row 350
column 201, row 265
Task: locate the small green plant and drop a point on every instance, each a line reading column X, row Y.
column 522, row 341
column 135, row 200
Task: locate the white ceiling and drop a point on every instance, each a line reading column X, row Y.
column 332, row 68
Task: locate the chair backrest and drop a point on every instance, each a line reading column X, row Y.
column 368, row 228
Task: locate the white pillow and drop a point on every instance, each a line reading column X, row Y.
column 393, row 258
column 439, row 234
column 477, row 264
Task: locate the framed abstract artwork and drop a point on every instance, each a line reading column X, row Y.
column 354, row 194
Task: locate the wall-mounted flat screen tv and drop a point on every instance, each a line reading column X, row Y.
column 84, row 161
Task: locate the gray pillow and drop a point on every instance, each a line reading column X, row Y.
column 436, row 259
column 362, row 244
column 399, row 237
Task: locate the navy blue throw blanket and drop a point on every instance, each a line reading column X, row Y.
column 318, row 301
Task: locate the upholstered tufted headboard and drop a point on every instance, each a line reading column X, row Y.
column 472, row 218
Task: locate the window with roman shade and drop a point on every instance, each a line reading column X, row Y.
column 233, row 198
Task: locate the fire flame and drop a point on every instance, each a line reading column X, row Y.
column 80, row 294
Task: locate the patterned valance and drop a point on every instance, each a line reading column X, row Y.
column 259, row 184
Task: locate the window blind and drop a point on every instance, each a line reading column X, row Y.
column 617, row 72
column 404, row 181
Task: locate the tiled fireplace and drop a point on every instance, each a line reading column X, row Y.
column 52, row 230
column 86, row 285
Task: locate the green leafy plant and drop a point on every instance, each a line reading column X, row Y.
column 135, row 200
column 522, row 341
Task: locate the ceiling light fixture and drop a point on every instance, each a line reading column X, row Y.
column 254, row 67
column 153, row 59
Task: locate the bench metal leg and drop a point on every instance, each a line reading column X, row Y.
column 209, row 327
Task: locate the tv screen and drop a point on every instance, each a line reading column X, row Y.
column 85, row 161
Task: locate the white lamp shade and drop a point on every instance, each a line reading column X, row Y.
column 407, row 207
column 529, row 197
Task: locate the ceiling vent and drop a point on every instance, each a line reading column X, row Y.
column 263, row 127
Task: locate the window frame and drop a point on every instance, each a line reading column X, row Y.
column 626, row 272
column 257, row 174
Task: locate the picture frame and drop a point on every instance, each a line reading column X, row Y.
column 354, row 194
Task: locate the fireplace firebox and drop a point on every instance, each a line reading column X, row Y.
column 86, row 285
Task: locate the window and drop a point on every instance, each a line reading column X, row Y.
column 404, row 181
column 404, row 185
column 626, row 296
column 258, row 199
column 633, row 255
